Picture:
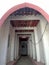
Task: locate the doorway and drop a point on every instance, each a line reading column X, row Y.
column 23, row 51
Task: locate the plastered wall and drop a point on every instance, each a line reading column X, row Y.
column 4, row 32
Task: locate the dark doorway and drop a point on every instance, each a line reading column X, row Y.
column 23, row 46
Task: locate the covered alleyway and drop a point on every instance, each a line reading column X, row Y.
column 24, row 35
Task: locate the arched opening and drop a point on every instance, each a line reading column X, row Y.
column 24, row 25
column 21, row 6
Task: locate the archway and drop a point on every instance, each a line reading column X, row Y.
column 21, row 6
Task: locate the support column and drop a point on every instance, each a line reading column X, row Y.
column 37, row 45
column 16, row 47
column 30, row 46
column 33, row 47
column 4, row 32
column 12, row 43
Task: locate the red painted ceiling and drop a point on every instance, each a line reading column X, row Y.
column 23, row 39
column 23, row 34
column 24, row 23
column 24, row 30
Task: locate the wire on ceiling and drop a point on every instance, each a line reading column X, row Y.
column 42, row 34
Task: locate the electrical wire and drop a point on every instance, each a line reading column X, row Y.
column 42, row 33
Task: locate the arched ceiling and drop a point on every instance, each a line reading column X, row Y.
column 25, row 11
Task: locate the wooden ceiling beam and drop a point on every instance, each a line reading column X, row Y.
column 24, row 23
column 24, row 30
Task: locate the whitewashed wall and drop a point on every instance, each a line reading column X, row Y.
column 4, row 32
column 10, row 50
column 45, row 39
column 40, row 43
column 42, row 46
